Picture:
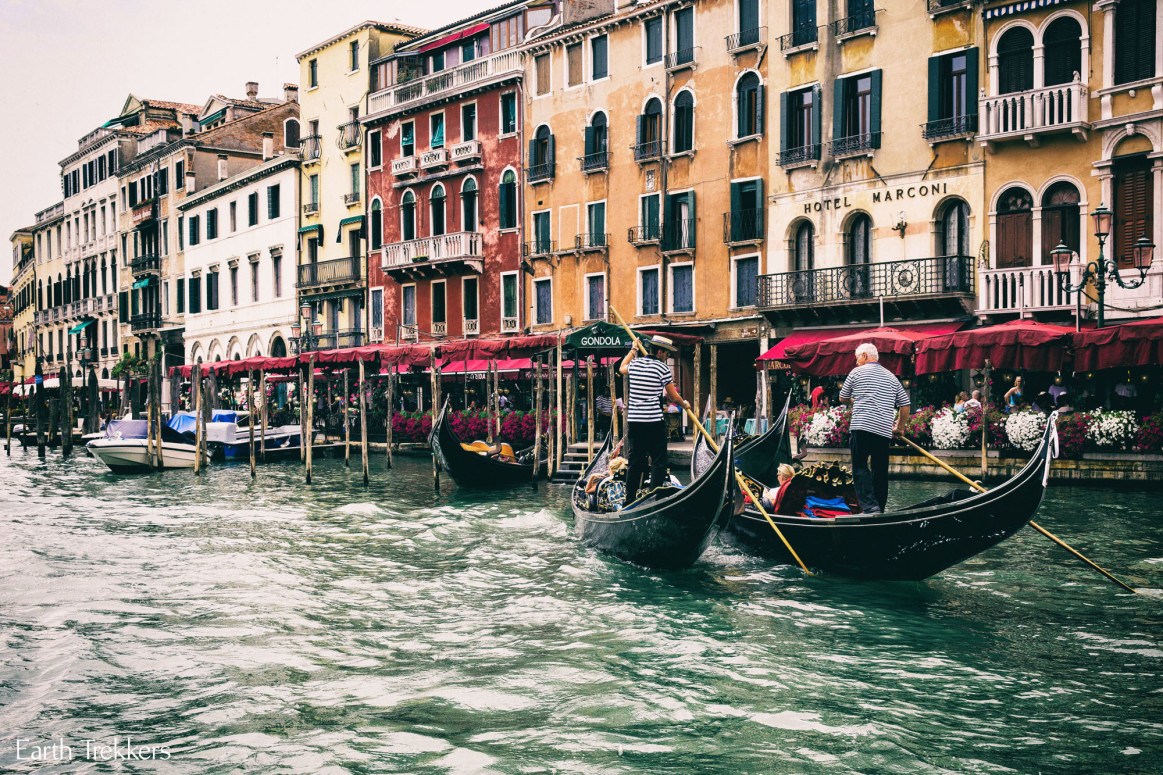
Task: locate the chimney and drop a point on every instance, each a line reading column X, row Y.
column 190, row 188
column 268, row 145
column 222, row 174
column 252, row 90
column 291, row 92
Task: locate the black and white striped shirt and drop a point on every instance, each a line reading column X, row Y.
column 876, row 395
column 648, row 381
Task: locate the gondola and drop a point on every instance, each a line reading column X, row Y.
column 469, row 468
column 911, row 544
column 661, row 531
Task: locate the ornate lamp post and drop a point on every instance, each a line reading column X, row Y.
column 1102, row 270
column 306, row 331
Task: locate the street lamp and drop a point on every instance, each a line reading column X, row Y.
column 1102, row 270
column 306, row 331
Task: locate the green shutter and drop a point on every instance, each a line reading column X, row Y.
column 817, row 113
column 784, row 102
column 123, row 306
column 935, row 88
column 838, row 110
column 551, row 152
column 971, row 81
column 759, row 130
column 876, row 89
column 589, row 140
column 641, row 130
column 690, row 197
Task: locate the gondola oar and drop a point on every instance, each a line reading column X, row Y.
column 738, row 476
column 1033, row 524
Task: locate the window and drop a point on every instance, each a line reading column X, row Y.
column 596, row 225
column 599, row 57
column 509, row 295
column 541, row 154
column 595, row 297
column 273, row 201
column 597, row 140
column 575, row 73
column 746, row 281
column 541, row 71
column 408, row 216
column 1015, row 229
column 313, row 192
column 508, row 113
column 1134, row 205
column 377, row 308
column 439, row 303
column 748, row 106
column 648, row 143
column 507, row 33
column 291, row 138
column 163, row 182
column 1060, row 219
column 277, row 274
column 682, row 288
column 746, row 222
column 468, row 51
column 859, row 240
column 195, row 294
column 312, row 73
column 212, row 223
column 233, row 210
column 804, row 247
column 436, row 126
column 353, row 56
column 356, row 177
column 803, row 22
column 538, row 15
column 436, row 204
column 684, row 122
column 468, row 122
column 376, row 225
column 254, row 278
column 508, row 200
column 211, row 291
column 542, row 233
column 543, row 301
column 252, row 209
column 1134, row 43
column 652, row 32
column 856, row 126
column 180, row 296
column 953, row 238
column 1015, row 54
column 468, row 205
column 800, row 125
column 1062, row 55
column 195, row 222
column 408, row 305
column 684, row 36
column 678, row 221
column 648, row 217
column 952, row 94
column 234, row 286
column 375, row 150
column 468, row 297
column 648, row 291
column 436, row 61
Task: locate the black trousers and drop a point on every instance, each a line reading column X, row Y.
column 871, row 484
column 645, row 451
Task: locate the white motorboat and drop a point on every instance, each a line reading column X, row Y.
column 124, row 448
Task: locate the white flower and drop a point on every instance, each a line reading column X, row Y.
column 1024, row 429
column 1112, row 430
column 950, row 429
column 821, row 425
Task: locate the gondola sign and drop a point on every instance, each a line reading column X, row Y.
column 598, row 336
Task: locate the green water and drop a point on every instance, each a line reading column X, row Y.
column 274, row 627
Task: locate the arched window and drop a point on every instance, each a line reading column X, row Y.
column 508, row 200
column 684, row 122
column 468, row 205
column 1015, row 229
column 860, row 239
column 597, row 143
column 1060, row 219
column 436, row 204
column 649, row 140
column 1015, row 53
column 541, row 153
column 748, row 106
column 1063, row 50
column 376, row 227
column 291, row 133
column 408, row 216
column 804, row 259
column 278, row 347
column 953, row 223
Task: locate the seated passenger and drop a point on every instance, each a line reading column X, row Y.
column 773, row 495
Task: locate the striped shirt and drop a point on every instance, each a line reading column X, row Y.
column 876, row 395
column 648, row 380
column 604, row 405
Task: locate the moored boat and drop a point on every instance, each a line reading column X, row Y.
column 470, row 467
column 125, row 449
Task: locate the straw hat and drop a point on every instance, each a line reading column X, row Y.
column 658, row 340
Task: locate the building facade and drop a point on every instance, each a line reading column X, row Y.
column 332, row 274
column 22, row 293
column 444, row 139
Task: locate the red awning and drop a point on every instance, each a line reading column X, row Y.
column 528, row 345
column 1137, row 343
column 835, row 357
column 677, row 338
column 460, row 349
column 807, row 336
column 1018, row 344
column 455, row 36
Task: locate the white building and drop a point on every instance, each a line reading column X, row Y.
column 238, row 287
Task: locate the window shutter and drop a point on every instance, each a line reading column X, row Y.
column 971, row 81
column 550, row 152
column 690, row 197
column 838, row 111
column 589, row 140
column 817, row 114
column 736, row 212
column 123, row 306
column 935, row 86
column 876, row 87
column 784, row 102
column 532, row 153
column 759, row 110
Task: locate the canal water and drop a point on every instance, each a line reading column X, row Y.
column 268, row 626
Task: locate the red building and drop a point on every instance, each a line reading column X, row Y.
column 444, row 131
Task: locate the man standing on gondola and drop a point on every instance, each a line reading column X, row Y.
column 650, row 379
column 880, row 407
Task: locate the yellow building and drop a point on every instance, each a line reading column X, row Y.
column 49, row 258
column 22, row 296
column 332, row 273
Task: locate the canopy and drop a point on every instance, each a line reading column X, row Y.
column 455, row 36
column 1138, row 343
column 807, row 336
column 836, row 357
column 460, row 349
column 143, row 282
column 80, row 326
column 481, row 365
column 1018, row 344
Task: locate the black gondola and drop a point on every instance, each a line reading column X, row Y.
column 472, row 469
column 669, row 530
column 911, row 544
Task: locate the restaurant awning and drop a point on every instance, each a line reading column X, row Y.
column 80, row 326
column 1018, row 344
column 835, row 357
column 805, row 336
column 1137, row 343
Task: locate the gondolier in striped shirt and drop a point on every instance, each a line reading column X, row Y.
column 880, row 407
column 650, row 379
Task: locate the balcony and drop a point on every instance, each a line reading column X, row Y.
column 855, row 145
column 800, row 39
column 644, row 235
column 312, row 146
column 863, row 23
column 949, row 128
column 440, row 328
column 598, row 161
column 405, row 166
column 746, row 39
column 471, row 327
column 743, row 227
column 447, row 83
column 1029, row 114
column 334, row 340
column 434, row 158
column 310, row 208
column 467, row 152
column 335, row 272
column 351, row 199
column 539, row 248
column 682, row 59
column 150, row 263
column 931, row 286
column 1027, row 288
column 800, row 157
column 647, row 151
column 535, row 173
column 149, row 321
column 510, row 325
column 350, row 136
column 446, row 254
column 593, row 240
column 678, row 236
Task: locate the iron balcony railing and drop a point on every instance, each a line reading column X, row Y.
column 805, row 154
column 890, row 279
column 864, row 21
column 333, row 340
column 743, row 226
column 540, row 247
column 644, row 235
column 957, row 126
column 855, row 145
column 684, row 57
column 593, row 240
column 349, row 136
column 802, row 37
column 645, row 151
column 335, row 271
column 146, row 321
column 352, row 198
column 310, row 208
column 312, row 146
column 542, row 171
column 150, row 262
column 678, row 235
column 595, row 162
column 746, row 38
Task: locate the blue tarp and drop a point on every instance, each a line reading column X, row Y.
column 184, row 421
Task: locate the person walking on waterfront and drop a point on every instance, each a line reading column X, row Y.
column 880, row 407
column 650, row 379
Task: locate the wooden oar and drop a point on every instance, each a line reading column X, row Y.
column 977, row 486
column 738, row 476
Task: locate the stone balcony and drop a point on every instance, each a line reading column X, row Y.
column 446, row 254
column 434, row 158
column 1022, row 289
column 405, row 166
column 447, row 83
column 1029, row 115
column 466, row 152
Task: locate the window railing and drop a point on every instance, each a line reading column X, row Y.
column 595, row 162
column 592, row 240
column 312, row 147
column 744, row 39
column 146, row 321
column 540, row 247
column 796, row 38
column 334, row 340
column 310, row 208
column 678, row 235
column 644, row 235
column 645, row 151
column 351, row 199
column 867, row 282
column 349, row 136
column 805, row 154
column 864, row 21
column 684, row 57
column 855, row 145
column 958, row 126
column 542, row 171
column 339, row 270
column 743, row 226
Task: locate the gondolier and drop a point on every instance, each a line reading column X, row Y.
column 880, row 406
column 650, row 379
